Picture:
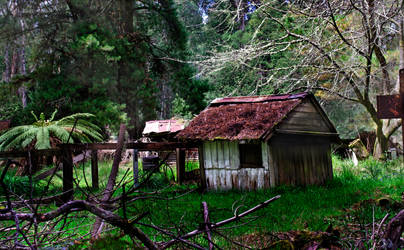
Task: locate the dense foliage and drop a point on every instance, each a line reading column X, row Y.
column 114, row 60
column 133, row 61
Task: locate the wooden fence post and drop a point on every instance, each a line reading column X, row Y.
column 180, row 162
column 94, row 168
column 135, row 167
column 67, row 161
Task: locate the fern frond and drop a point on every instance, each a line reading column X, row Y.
column 60, row 133
column 10, row 135
column 81, row 138
column 53, row 115
column 28, row 140
column 33, row 114
column 14, row 132
column 72, row 118
column 89, row 132
column 83, row 124
column 42, row 139
column 40, row 131
column 17, row 141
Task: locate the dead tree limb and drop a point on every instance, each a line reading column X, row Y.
column 221, row 223
column 79, row 205
column 395, row 229
column 207, row 223
column 111, row 180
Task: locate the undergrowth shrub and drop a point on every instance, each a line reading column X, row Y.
column 372, row 167
column 156, row 181
column 19, row 184
column 369, row 168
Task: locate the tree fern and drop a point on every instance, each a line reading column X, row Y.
column 41, row 131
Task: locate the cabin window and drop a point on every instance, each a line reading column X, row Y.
column 250, row 155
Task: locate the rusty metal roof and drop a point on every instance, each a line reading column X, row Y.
column 255, row 99
column 239, row 118
column 164, row 126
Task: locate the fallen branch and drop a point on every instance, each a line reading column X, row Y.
column 207, row 223
column 80, row 205
column 221, row 223
column 107, row 194
column 378, row 231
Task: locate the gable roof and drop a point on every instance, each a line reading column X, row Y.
column 245, row 117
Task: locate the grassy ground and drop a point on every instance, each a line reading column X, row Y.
column 340, row 202
column 312, row 208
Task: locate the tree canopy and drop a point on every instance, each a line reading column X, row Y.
column 133, row 61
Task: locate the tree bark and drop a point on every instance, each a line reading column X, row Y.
column 7, row 70
column 394, row 230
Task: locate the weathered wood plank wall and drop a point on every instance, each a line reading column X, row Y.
column 305, row 117
column 221, row 161
column 299, row 160
column 288, row 159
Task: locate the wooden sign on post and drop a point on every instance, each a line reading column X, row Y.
column 392, row 106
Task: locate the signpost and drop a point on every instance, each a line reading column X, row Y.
column 392, row 106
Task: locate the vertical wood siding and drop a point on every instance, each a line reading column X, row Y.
column 222, row 167
column 301, row 161
column 287, row 159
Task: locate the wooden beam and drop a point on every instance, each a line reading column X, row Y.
column 202, row 167
column 298, row 132
column 152, row 146
column 13, row 154
column 94, row 169
column 20, row 153
column 135, row 167
column 180, row 162
column 67, row 161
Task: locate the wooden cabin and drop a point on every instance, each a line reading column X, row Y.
column 263, row 141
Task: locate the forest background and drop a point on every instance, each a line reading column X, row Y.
column 133, row 61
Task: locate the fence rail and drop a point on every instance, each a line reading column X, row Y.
column 65, row 151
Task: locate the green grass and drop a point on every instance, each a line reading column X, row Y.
column 300, row 208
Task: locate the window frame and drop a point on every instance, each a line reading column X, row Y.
column 250, row 148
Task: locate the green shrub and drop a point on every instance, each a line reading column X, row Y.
column 156, row 181
column 19, row 184
column 372, row 167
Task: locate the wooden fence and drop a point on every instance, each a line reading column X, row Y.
column 65, row 151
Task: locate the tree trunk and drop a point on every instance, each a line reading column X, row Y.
column 401, row 44
column 385, row 130
column 21, row 52
column 7, row 70
column 14, row 63
column 22, row 92
column 381, row 144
